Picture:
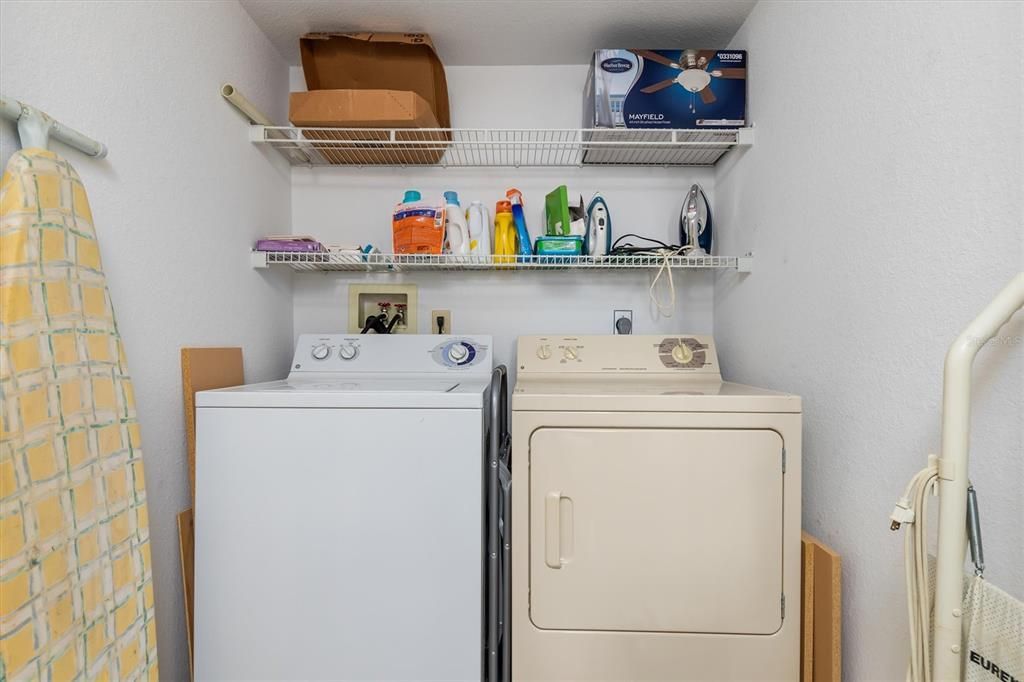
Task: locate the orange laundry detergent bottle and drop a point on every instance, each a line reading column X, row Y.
column 416, row 226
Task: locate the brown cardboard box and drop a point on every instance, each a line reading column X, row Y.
column 373, row 80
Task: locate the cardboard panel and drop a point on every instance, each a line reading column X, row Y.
column 821, row 613
column 827, row 615
column 203, row 369
column 186, row 541
column 807, row 608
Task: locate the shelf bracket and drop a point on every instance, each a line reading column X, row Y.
column 745, row 263
column 258, row 260
column 257, row 133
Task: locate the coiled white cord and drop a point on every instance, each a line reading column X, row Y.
column 666, row 307
column 912, row 509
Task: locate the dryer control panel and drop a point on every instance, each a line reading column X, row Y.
column 619, row 354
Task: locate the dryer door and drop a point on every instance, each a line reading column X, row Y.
column 656, row 530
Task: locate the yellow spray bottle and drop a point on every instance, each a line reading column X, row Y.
column 504, row 233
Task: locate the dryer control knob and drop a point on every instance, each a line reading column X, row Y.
column 458, row 352
column 348, row 352
column 544, row 352
column 682, row 354
column 570, row 353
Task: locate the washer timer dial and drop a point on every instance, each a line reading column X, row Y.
column 321, row 351
column 348, row 351
column 458, row 352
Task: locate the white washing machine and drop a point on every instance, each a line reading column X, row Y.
column 343, row 515
column 655, row 515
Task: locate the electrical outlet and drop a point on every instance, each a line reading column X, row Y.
column 622, row 322
column 365, row 300
column 445, row 327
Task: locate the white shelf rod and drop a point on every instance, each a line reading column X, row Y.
column 36, row 127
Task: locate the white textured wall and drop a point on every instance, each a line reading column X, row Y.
column 177, row 203
column 353, row 206
column 883, row 201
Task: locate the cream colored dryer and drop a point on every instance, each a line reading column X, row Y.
column 655, row 515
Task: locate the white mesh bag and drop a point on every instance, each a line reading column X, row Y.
column 993, row 633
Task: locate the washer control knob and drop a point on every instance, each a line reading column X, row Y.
column 682, row 354
column 458, row 352
column 348, row 352
column 570, row 353
column 544, row 352
column 321, row 351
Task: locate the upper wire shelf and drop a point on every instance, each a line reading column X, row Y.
column 390, row 262
column 488, row 147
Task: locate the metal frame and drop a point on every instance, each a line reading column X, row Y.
column 487, row 147
column 498, row 475
column 953, row 478
column 389, row 262
column 36, row 127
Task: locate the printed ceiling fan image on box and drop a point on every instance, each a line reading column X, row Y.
column 693, row 75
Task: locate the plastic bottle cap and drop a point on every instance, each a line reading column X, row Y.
column 503, row 206
column 412, row 195
column 451, row 198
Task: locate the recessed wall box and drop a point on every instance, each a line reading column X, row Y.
column 367, row 299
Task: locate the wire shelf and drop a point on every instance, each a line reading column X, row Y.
column 478, row 147
column 390, row 262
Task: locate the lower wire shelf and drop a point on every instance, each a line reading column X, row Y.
column 347, row 261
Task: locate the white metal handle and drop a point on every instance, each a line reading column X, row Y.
column 552, row 530
column 956, row 431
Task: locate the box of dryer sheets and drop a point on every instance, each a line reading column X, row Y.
column 680, row 88
column 373, row 80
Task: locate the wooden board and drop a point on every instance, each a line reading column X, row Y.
column 821, row 613
column 201, row 370
column 186, row 538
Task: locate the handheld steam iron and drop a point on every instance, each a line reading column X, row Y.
column 695, row 225
column 599, row 227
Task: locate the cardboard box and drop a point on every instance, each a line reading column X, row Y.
column 679, row 88
column 373, row 80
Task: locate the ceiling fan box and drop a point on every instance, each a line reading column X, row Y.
column 613, row 99
column 373, row 80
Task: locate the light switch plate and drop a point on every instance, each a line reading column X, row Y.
column 365, row 299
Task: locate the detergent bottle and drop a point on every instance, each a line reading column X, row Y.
column 504, row 232
column 479, row 229
column 416, row 226
column 523, row 245
column 456, row 230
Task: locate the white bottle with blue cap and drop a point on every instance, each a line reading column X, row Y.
column 456, row 231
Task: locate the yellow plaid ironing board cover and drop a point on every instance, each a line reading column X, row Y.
column 76, row 583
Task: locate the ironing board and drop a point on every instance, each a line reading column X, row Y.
column 76, row 587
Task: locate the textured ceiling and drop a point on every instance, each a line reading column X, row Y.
column 468, row 32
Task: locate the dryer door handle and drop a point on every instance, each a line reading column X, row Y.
column 552, row 530
column 558, row 529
